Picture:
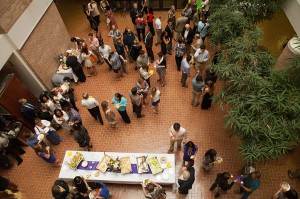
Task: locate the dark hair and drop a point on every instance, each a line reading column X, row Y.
column 202, row 46
column 257, row 174
column 118, row 95
column 78, row 196
column 104, row 105
column 27, row 134
column 149, row 187
column 84, row 49
column 163, row 34
column 199, row 78
column 291, row 194
column 150, row 10
column 160, row 54
column 55, row 190
column 188, row 57
column 56, row 111
column 176, row 126
column 42, row 96
column 212, row 154
column 90, row 34
column 190, row 144
column 73, row 39
column 180, row 40
column 134, row 90
column 37, row 109
column 125, row 31
column 108, row 8
column 141, row 52
column 223, row 177
column 77, row 180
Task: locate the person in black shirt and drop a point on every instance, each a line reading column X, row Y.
column 73, row 63
column 27, row 110
column 60, row 189
column 134, row 13
column 43, row 114
column 223, row 182
column 186, row 180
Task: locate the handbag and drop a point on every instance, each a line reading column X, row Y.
column 93, row 58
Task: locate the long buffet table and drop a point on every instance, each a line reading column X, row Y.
column 167, row 176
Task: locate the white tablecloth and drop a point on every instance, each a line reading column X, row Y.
column 67, row 73
column 67, row 173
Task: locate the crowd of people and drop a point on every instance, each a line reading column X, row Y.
column 58, row 108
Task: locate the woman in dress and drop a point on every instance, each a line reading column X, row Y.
column 46, row 154
column 209, row 92
column 135, row 50
column 44, row 127
column 86, row 54
column 81, row 136
column 189, row 152
column 120, row 103
column 180, row 50
column 144, row 72
column 209, row 159
column 161, row 68
column 48, row 103
column 62, row 118
column 142, row 88
column 150, row 18
column 109, row 114
column 164, row 42
column 111, row 17
column 155, row 95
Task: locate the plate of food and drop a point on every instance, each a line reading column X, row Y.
column 163, row 160
column 102, row 166
column 117, row 106
column 154, row 165
column 46, row 130
column 75, row 160
column 142, row 164
column 84, row 164
column 125, row 165
column 151, row 72
column 219, row 159
column 40, row 137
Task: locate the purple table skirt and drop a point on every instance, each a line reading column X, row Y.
column 92, row 166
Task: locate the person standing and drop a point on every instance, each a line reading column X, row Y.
column 109, row 114
column 224, row 183
column 201, row 57
column 188, row 36
column 115, row 62
column 203, row 28
column 161, row 68
column 186, row 180
column 92, row 105
column 189, row 152
column 198, row 86
column 164, row 42
column 158, row 29
column 209, row 159
column 120, row 103
column 144, row 72
column 135, row 50
column 150, row 18
column 44, row 127
column 142, row 88
column 93, row 8
column 27, row 110
column 115, row 34
column 47, row 155
column 32, row 139
column 197, row 43
column 155, row 95
column 196, row 19
column 60, row 189
column 188, row 12
column 209, row 92
column 104, row 52
column 73, row 63
column 140, row 26
column 111, row 17
column 121, row 51
column 250, row 183
column 93, row 23
column 205, row 7
column 170, row 30
column 62, row 118
column 128, row 41
column 177, row 134
column 134, row 13
column 81, row 136
column 94, row 45
column 141, row 60
column 86, row 56
column 148, row 44
column 137, row 102
column 180, row 50
column 171, row 15
column 181, row 21
column 185, row 67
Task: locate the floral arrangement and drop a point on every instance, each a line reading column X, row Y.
column 114, row 165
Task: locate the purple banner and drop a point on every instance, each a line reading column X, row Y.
column 91, row 166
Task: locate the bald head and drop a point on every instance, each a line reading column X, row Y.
column 187, row 26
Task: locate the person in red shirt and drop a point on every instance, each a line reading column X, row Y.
column 150, row 18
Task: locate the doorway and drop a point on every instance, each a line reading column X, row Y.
column 166, row 4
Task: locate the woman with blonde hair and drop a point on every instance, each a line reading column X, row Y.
column 155, row 95
column 86, row 56
column 109, row 114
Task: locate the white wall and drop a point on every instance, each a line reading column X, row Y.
column 292, row 11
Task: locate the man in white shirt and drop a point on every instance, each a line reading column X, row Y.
column 201, row 57
column 92, row 106
column 104, row 52
column 158, row 30
column 177, row 134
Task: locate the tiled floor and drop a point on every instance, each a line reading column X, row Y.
column 149, row 134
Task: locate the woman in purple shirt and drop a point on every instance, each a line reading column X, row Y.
column 46, row 154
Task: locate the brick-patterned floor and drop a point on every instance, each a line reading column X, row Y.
column 149, row 134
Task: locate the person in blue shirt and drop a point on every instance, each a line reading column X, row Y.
column 203, row 28
column 99, row 191
column 31, row 140
column 250, row 183
column 198, row 86
column 120, row 103
column 189, row 152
